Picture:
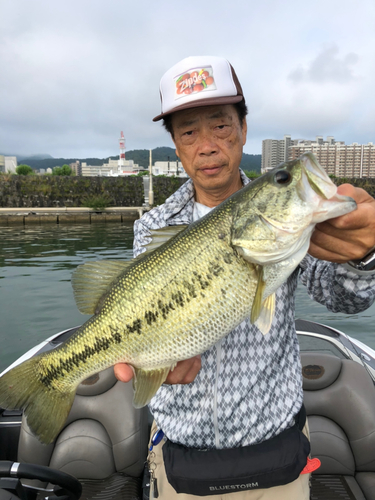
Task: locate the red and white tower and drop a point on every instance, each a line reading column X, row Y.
column 121, row 161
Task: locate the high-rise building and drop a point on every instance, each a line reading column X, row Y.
column 275, row 152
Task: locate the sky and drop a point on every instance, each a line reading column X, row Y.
column 73, row 74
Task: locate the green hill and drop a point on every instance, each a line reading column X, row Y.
column 139, row 156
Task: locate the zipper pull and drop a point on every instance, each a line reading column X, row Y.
column 155, row 488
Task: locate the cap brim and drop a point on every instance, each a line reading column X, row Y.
column 202, row 102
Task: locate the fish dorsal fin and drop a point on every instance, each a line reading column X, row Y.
column 262, row 311
column 146, row 383
column 91, row 280
column 267, row 313
column 161, row 236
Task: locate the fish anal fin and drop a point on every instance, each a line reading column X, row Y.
column 266, row 315
column 146, row 383
column 91, row 280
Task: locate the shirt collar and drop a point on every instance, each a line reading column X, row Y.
column 179, row 206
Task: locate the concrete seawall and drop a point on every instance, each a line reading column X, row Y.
column 68, row 215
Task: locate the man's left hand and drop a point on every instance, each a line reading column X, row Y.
column 350, row 236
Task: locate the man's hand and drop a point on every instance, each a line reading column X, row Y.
column 350, row 236
column 183, row 373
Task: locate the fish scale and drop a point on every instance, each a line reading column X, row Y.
column 181, row 297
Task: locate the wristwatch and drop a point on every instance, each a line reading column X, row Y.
column 367, row 263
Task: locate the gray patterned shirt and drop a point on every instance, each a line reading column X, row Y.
column 249, row 388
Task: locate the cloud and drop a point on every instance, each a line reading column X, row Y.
column 73, row 74
column 327, row 67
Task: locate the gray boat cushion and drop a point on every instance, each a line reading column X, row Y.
column 342, row 424
column 319, row 370
column 84, row 450
column 330, row 444
column 366, row 481
column 350, row 402
column 125, row 426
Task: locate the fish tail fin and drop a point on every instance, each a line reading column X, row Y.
column 46, row 409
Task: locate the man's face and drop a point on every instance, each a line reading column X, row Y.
column 209, row 142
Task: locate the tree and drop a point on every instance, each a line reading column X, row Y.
column 251, row 174
column 24, row 170
column 64, row 170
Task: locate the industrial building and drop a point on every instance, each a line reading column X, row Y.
column 168, row 168
column 110, row 169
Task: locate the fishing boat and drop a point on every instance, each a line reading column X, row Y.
column 104, row 441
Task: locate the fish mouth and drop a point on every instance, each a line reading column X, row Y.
column 317, row 177
column 316, row 188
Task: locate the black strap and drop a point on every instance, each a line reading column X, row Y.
column 301, row 418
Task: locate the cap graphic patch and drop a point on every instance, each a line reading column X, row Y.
column 193, row 81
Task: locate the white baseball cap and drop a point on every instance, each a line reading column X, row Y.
column 198, row 81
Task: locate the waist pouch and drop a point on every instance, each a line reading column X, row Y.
column 274, row 462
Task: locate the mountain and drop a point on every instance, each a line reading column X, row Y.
column 139, row 156
column 23, row 158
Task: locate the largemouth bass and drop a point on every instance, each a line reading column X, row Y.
column 190, row 289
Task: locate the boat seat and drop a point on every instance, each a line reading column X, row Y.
column 103, row 442
column 339, row 397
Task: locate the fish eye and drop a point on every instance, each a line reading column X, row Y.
column 282, row 177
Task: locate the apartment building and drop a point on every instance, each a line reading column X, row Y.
column 339, row 159
column 336, row 157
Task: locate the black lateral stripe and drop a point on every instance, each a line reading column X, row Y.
column 62, row 367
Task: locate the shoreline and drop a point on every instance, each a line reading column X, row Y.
column 68, row 215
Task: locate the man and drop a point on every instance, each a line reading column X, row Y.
column 247, row 388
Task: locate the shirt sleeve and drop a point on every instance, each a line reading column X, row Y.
column 154, row 219
column 336, row 287
column 142, row 236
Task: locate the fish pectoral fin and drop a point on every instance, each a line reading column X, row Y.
column 161, row 236
column 91, row 280
column 262, row 311
column 146, row 383
column 266, row 315
column 258, row 298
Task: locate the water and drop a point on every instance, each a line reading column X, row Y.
column 36, row 263
column 36, row 297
